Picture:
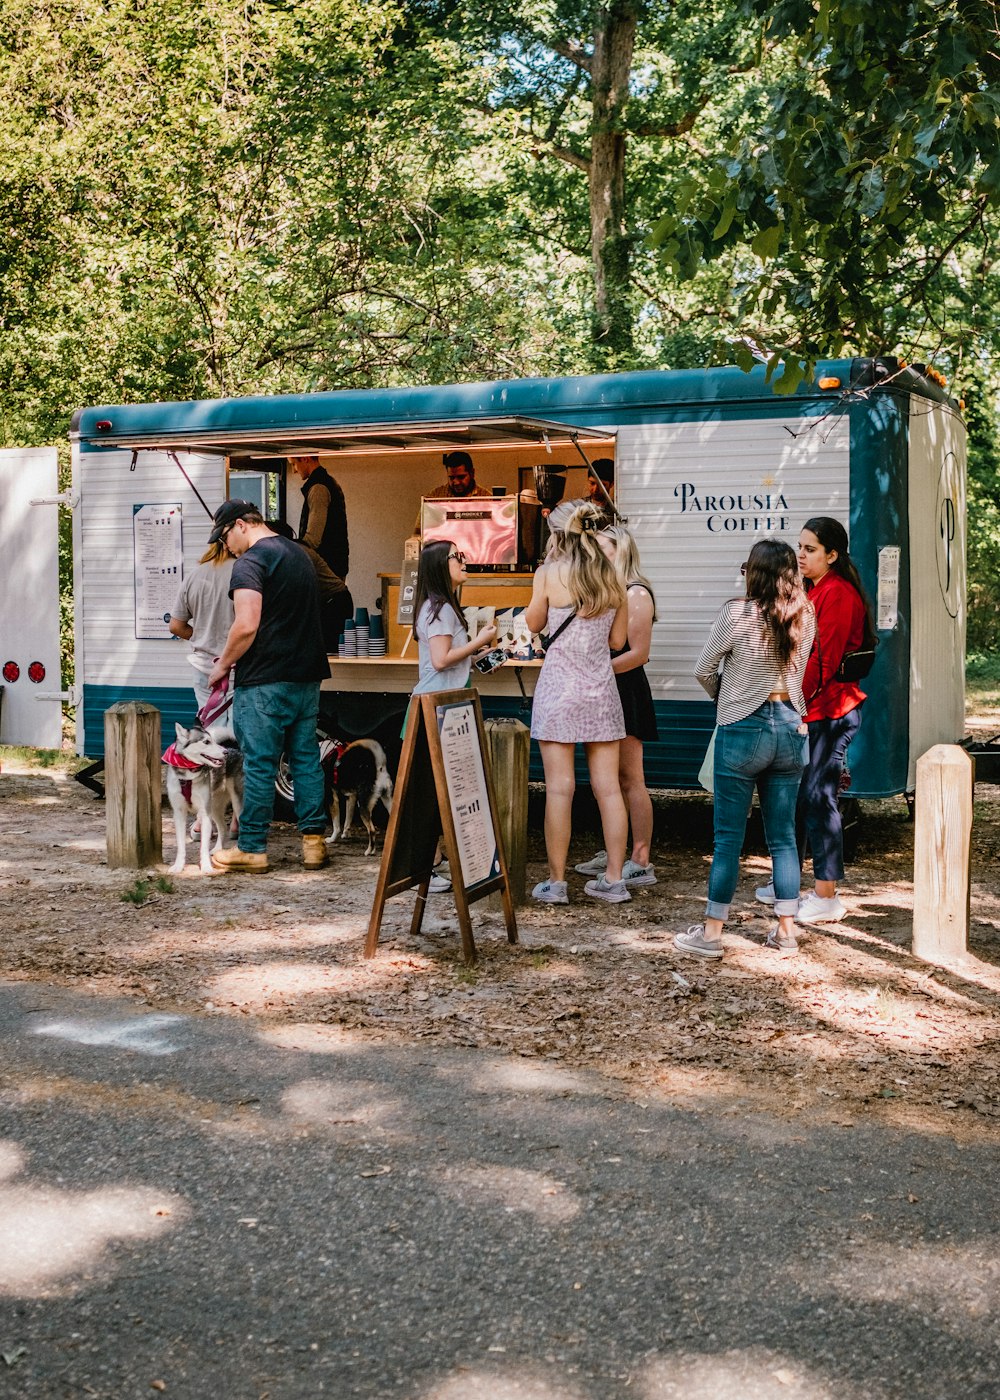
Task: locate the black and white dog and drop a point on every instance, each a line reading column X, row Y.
column 360, row 781
column 204, row 773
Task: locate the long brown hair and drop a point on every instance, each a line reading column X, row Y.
column 774, row 584
column 434, row 583
column 592, row 581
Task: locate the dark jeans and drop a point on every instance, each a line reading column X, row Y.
column 818, row 810
column 269, row 720
column 764, row 750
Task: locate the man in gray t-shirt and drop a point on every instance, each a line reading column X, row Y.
column 203, row 615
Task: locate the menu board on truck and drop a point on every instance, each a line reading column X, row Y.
column 158, row 567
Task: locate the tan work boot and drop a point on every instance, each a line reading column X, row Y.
column 240, row 862
column 314, row 852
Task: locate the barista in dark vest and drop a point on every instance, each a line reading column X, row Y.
column 323, row 532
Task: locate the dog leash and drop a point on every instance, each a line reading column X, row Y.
column 219, row 701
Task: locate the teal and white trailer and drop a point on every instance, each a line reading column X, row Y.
column 707, row 461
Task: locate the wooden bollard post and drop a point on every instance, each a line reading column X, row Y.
column 132, row 784
column 941, row 850
column 509, row 743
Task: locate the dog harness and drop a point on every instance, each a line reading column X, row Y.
column 177, row 760
column 330, row 753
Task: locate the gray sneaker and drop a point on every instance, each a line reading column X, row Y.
column 694, row 941
column 636, row 875
column 602, row 888
column 784, row 942
column 596, row 866
column 764, row 894
column 551, row 892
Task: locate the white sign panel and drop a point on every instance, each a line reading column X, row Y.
column 158, row 544
column 467, row 793
column 888, row 588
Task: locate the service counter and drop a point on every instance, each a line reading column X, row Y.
column 397, row 670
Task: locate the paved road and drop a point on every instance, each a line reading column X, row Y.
column 226, row 1213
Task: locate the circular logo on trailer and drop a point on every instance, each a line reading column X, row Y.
column 948, row 542
column 36, row 672
column 11, row 671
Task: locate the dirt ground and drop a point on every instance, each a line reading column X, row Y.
column 852, row 1025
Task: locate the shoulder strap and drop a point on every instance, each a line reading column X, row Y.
column 562, row 627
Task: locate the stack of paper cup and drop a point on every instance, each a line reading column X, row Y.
column 350, row 641
column 361, row 626
column 376, row 636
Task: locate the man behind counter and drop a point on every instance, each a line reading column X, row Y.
column 323, row 532
column 461, row 477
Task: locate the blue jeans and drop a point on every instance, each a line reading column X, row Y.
column 767, row 751
column 270, row 720
column 819, row 807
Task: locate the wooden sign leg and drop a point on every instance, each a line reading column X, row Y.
column 464, row 921
column 419, row 907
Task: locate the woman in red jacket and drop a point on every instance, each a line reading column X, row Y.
column 843, row 621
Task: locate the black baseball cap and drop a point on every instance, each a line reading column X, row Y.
column 229, row 512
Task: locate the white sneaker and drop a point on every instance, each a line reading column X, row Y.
column 636, row 875
column 596, row 866
column 440, row 883
column 764, row 894
column 551, row 892
column 815, row 910
column 611, row 892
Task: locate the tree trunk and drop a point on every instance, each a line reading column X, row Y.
column 614, row 42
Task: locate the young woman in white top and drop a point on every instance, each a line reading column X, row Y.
column 762, row 643
column 444, row 650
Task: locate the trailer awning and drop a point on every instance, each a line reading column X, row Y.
column 292, row 441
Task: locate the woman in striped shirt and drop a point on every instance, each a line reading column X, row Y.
column 762, row 642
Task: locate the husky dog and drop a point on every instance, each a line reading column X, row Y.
column 360, row 780
column 204, row 772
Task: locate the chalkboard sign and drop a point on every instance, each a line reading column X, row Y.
column 444, row 790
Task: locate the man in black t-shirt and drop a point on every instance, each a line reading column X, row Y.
column 276, row 645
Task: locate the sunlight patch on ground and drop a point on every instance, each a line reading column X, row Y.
column 527, row 1382
column 754, row 1374
column 314, row 1038
column 50, row 1235
column 260, row 985
column 323, row 1102
column 533, row 1193
column 523, row 1076
column 954, row 1283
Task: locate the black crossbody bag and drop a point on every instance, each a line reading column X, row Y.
column 854, row 665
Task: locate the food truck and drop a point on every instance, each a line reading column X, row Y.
column 706, row 462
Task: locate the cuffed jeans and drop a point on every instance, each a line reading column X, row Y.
column 767, row 751
column 819, row 805
column 270, row 720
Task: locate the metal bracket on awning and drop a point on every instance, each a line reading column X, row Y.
column 622, row 519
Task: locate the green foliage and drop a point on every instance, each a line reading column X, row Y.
column 982, row 398
column 863, row 200
column 142, row 889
